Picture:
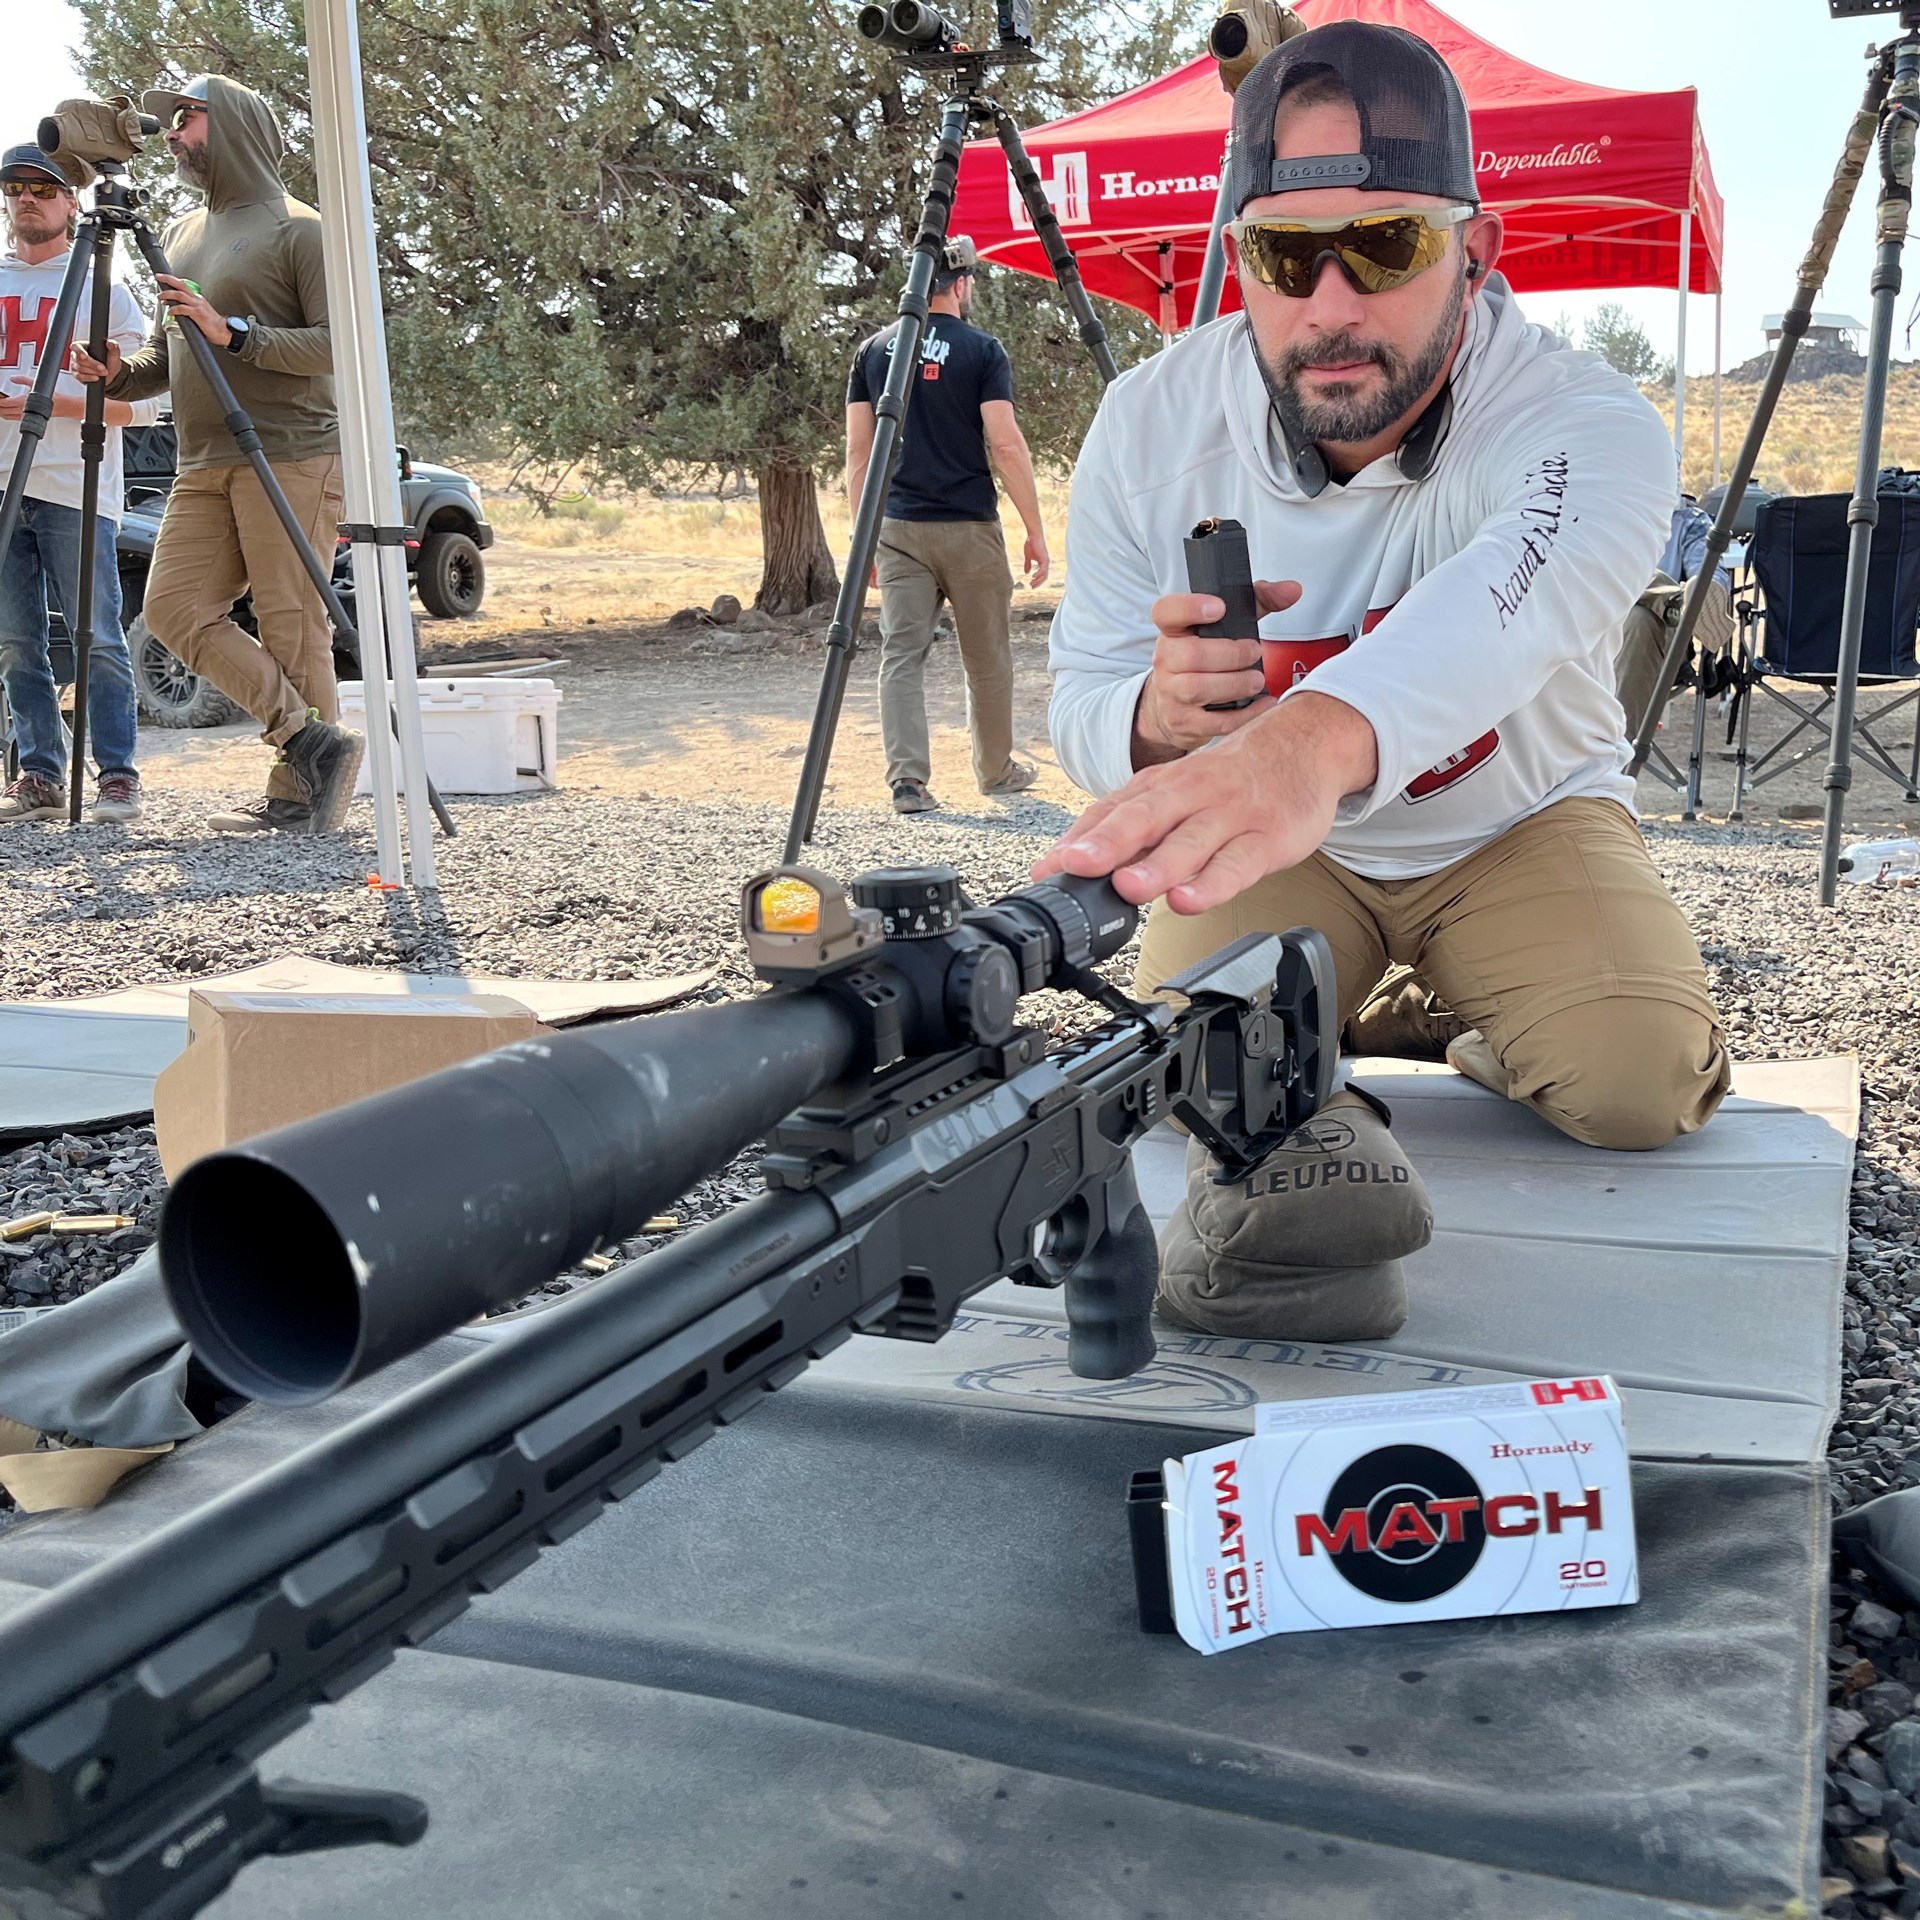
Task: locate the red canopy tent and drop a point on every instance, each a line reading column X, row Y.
column 1598, row 187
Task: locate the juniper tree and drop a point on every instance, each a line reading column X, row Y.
column 646, row 237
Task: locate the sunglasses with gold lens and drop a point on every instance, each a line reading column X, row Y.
column 1376, row 251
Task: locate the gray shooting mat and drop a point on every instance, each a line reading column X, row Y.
column 873, row 1653
column 877, row 1657
column 82, row 1065
column 1706, row 1278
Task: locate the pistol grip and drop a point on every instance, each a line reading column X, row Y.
column 1110, row 1291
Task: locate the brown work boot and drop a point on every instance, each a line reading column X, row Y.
column 1309, row 1245
column 325, row 759
column 1404, row 1019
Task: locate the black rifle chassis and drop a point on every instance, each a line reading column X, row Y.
column 134, row 1701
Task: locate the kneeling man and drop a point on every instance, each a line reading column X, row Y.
column 1458, row 514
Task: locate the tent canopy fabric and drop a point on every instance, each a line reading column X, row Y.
column 1593, row 183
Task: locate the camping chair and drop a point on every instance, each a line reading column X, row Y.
column 1799, row 560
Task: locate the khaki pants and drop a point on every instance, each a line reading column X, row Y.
column 218, row 538
column 964, row 562
column 1558, row 941
column 1650, row 626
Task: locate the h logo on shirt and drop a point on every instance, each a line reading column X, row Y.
column 1069, row 193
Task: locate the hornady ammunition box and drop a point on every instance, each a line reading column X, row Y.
column 1361, row 1511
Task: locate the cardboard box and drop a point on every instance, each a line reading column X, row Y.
column 1383, row 1507
column 256, row 1061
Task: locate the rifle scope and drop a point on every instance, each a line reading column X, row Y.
column 308, row 1258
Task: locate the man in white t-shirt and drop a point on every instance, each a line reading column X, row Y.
column 1450, row 516
column 42, row 561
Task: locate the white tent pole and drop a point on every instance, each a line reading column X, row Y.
column 369, row 468
column 1719, row 299
column 1169, row 309
column 1680, row 349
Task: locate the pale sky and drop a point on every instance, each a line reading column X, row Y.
column 1778, row 82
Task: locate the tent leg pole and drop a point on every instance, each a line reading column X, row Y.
column 1719, row 300
column 1680, row 350
column 1793, row 327
column 1213, row 268
column 1863, row 515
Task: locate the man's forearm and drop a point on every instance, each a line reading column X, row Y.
column 141, row 375
column 1336, row 739
column 1016, row 474
column 1149, row 747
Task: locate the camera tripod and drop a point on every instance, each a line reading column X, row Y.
column 116, row 209
column 1889, row 115
column 965, row 107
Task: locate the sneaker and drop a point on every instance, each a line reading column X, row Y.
column 33, row 797
column 265, row 816
column 117, row 798
column 325, row 759
column 1019, row 776
column 911, row 796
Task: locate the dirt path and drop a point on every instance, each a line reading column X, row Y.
column 648, row 711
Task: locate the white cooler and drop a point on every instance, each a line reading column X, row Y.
column 483, row 735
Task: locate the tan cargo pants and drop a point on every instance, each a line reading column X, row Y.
column 963, row 562
column 1558, row 941
column 219, row 537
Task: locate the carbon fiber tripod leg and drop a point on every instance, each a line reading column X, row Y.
column 93, row 446
column 890, row 416
column 1793, row 326
column 1046, row 225
column 1863, row 514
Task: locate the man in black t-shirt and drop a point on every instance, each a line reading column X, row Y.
column 941, row 537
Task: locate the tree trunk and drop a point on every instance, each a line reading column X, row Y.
column 796, row 564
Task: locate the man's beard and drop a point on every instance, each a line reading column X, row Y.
column 191, row 165
column 1345, row 418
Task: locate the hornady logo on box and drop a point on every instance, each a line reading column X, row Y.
column 1424, row 1506
column 1065, row 180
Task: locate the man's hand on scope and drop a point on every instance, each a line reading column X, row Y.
column 185, row 304
column 1205, row 827
column 1191, row 674
column 85, row 367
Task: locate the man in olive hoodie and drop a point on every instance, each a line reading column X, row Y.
column 248, row 272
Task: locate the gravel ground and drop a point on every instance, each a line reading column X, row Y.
column 603, row 888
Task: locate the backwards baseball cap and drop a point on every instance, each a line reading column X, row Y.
column 25, row 159
column 959, row 256
column 1414, row 136
column 164, row 102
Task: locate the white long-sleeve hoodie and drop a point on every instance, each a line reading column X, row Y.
column 27, row 298
column 1483, row 604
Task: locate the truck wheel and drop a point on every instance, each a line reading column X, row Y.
column 170, row 693
column 452, row 577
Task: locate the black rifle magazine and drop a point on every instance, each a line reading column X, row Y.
column 1147, row 1531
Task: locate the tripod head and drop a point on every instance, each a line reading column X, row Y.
column 1907, row 10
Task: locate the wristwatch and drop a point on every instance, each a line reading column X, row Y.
column 237, row 332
